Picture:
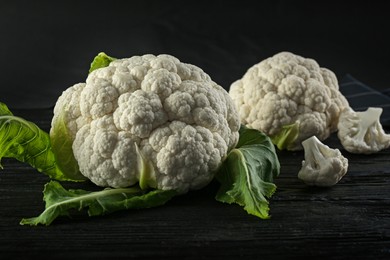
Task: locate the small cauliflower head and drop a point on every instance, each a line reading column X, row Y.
column 290, row 98
column 323, row 166
column 362, row 132
column 148, row 119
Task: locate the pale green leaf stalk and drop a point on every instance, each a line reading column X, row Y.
column 100, row 61
column 61, row 142
column 285, row 139
column 247, row 174
column 147, row 178
column 26, row 142
column 60, row 202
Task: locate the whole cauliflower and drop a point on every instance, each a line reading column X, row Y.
column 290, row 98
column 147, row 119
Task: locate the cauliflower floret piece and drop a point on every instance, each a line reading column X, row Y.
column 287, row 90
column 323, row 166
column 146, row 113
column 362, row 132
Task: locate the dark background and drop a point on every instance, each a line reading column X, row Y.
column 47, row 46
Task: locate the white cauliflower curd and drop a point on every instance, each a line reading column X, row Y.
column 290, row 98
column 147, row 119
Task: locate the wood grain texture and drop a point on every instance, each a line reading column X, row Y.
column 348, row 221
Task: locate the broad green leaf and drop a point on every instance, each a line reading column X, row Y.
column 100, row 61
column 60, row 202
column 250, row 136
column 26, row 142
column 286, row 136
column 247, row 174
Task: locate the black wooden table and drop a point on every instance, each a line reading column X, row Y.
column 348, row 221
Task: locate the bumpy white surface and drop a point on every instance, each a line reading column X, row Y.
column 287, row 88
column 182, row 121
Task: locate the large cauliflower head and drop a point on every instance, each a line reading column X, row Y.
column 289, row 94
column 149, row 119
